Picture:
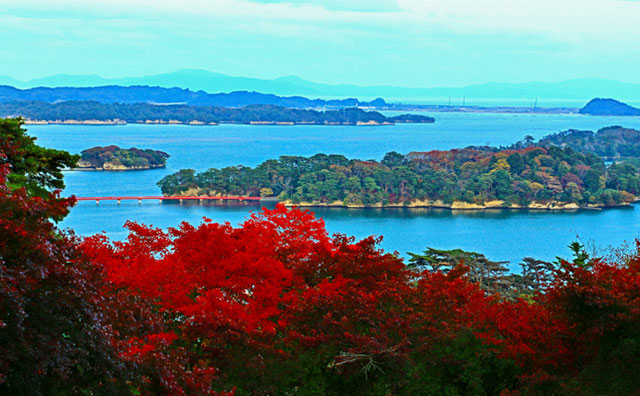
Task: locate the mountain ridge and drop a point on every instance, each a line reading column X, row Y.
column 581, row 89
column 160, row 95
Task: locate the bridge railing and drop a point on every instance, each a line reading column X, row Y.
column 199, row 198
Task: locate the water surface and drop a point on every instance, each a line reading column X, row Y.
column 501, row 235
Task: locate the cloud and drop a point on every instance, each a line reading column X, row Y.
column 345, row 5
column 563, row 20
column 324, row 36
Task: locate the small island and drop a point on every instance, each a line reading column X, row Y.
column 525, row 175
column 112, row 158
column 608, row 107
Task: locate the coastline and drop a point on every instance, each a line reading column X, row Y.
column 176, row 122
column 461, row 206
column 115, row 168
column 454, row 206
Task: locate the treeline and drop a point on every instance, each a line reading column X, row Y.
column 517, row 177
column 145, row 112
column 612, row 142
column 277, row 306
column 114, row 157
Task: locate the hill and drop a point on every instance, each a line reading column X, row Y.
column 147, row 94
column 609, row 107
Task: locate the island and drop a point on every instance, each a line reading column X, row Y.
column 92, row 112
column 533, row 177
column 608, row 107
column 112, row 158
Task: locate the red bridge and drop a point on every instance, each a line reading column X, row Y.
column 199, row 198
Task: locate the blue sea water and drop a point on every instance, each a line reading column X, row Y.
column 501, row 235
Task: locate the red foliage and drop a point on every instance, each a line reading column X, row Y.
column 52, row 332
column 276, row 304
column 64, row 329
column 279, row 286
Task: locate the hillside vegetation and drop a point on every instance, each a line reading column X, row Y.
column 613, row 142
column 537, row 177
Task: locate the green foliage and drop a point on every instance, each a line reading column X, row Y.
column 580, row 256
column 491, row 276
column 609, row 142
column 114, row 156
column 37, row 169
column 474, row 176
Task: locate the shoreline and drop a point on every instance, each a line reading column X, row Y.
column 200, row 123
column 464, row 206
column 485, row 109
column 118, row 169
column 460, row 206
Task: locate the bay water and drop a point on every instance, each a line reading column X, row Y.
column 499, row 234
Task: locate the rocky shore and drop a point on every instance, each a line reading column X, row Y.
column 457, row 205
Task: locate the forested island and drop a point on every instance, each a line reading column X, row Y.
column 116, row 158
column 91, row 112
column 608, row 107
column 531, row 176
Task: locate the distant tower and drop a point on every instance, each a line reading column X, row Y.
column 535, row 104
column 449, row 100
column 464, row 101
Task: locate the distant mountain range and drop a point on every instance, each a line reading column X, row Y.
column 159, row 95
column 571, row 91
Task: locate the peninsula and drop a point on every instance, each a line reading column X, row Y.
column 112, row 158
column 532, row 177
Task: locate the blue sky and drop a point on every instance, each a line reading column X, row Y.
column 366, row 42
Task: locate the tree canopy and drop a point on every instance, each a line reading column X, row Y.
column 36, row 168
column 515, row 177
column 114, row 157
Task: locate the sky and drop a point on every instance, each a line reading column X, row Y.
column 412, row 43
